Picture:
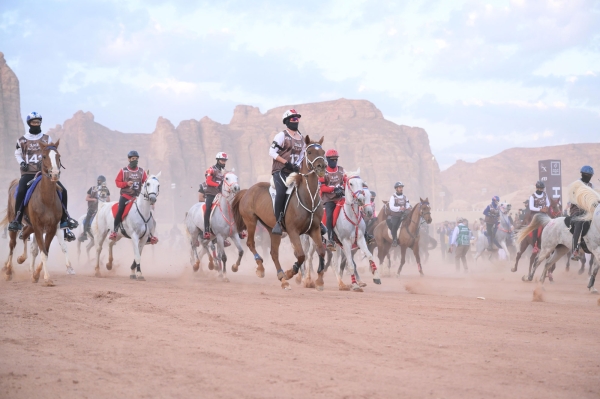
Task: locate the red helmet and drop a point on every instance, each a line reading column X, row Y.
column 331, row 153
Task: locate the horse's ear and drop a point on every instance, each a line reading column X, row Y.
column 357, row 170
column 148, row 172
column 57, row 143
column 158, row 175
column 421, row 199
column 321, row 141
column 307, row 140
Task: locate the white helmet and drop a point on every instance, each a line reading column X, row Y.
column 221, row 155
column 290, row 113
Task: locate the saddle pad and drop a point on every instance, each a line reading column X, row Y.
column 571, row 226
column 115, row 209
column 214, row 204
column 539, row 232
column 336, row 212
column 32, row 185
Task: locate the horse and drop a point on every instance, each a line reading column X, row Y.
column 303, row 215
column 503, row 233
column 42, row 214
column 221, row 222
column 138, row 226
column 408, row 235
column 350, row 229
column 554, row 211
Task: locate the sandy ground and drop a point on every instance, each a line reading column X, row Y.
column 182, row 335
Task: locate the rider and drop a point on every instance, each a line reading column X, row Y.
column 398, row 206
column 97, row 193
column 214, row 180
column 129, row 180
column 368, row 236
column 287, row 151
column 586, row 176
column 461, row 240
column 492, row 215
column 29, row 156
column 538, row 202
column 332, row 191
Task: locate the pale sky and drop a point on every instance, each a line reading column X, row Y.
column 478, row 76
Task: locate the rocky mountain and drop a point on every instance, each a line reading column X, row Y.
column 513, row 172
column 384, row 151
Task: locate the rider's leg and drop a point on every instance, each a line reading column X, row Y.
column 329, row 209
column 65, row 220
column 494, row 232
column 396, row 220
column 119, row 215
column 21, row 191
column 280, row 194
column 578, row 226
column 490, row 235
column 209, row 202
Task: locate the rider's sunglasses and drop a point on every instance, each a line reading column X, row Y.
column 294, row 119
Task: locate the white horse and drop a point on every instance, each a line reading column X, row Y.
column 350, row 228
column 222, row 225
column 504, row 231
column 35, row 250
column 138, row 225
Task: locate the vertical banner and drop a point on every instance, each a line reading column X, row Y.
column 551, row 174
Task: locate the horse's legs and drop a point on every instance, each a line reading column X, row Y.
column 238, row 245
column 25, row 233
column 592, row 261
column 138, row 245
column 320, row 248
column 522, row 249
column 582, row 260
column 63, row 246
column 275, row 242
column 111, row 244
column 251, row 244
column 307, row 265
column 337, row 271
column 298, row 253
column 35, row 251
column 347, row 244
column 590, row 285
column 44, row 244
column 11, row 246
column 89, row 246
column 362, row 244
column 221, row 255
column 542, row 256
column 402, row 259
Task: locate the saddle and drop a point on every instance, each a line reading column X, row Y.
column 128, row 205
column 214, row 204
column 336, row 212
column 32, row 185
column 585, row 228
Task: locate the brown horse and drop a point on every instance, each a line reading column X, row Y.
column 303, row 215
column 554, row 211
column 42, row 213
column 408, row 236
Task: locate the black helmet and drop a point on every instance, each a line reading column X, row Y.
column 398, row 184
column 373, row 194
column 133, row 153
column 540, row 184
column 101, row 178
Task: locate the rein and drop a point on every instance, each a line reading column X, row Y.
column 47, row 172
column 357, row 212
column 313, row 197
column 232, row 222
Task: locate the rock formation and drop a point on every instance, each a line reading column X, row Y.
column 11, row 124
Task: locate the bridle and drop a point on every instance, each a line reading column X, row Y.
column 309, row 163
column 357, row 214
column 315, row 198
column 231, row 222
column 227, row 185
column 47, row 171
column 146, row 194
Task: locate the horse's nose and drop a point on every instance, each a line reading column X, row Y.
column 152, row 199
column 236, row 188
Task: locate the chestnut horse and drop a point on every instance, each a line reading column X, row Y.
column 42, row 213
column 554, row 211
column 408, row 235
column 303, row 215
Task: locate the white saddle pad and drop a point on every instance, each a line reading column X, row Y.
column 272, row 192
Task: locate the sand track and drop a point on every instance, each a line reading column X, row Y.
column 197, row 337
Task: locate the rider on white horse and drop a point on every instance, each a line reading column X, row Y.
column 332, row 191
column 29, row 157
column 586, row 175
column 399, row 206
column 538, row 202
column 492, row 215
column 129, row 180
column 95, row 194
column 214, row 180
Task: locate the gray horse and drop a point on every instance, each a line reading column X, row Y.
column 503, row 235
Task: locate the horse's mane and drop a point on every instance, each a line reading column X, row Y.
column 353, row 174
column 585, row 197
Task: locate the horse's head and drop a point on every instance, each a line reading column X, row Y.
column 368, row 207
column 354, row 188
column 51, row 160
column 151, row 188
column 314, row 156
column 425, row 210
column 230, row 185
column 505, row 207
column 555, row 207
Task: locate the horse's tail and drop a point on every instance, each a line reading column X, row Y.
column 237, row 216
column 432, row 243
column 539, row 220
column 4, row 221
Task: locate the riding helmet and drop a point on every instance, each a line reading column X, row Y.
column 133, row 153
column 398, row 184
column 495, row 198
column 332, row 153
column 101, row 178
column 586, row 169
column 289, row 113
column 221, row 155
column 540, row 184
column 32, row 116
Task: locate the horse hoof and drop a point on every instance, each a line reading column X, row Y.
column 377, row 281
column 397, row 275
column 20, row 260
column 132, row 277
column 525, row 278
column 35, row 280
column 320, row 288
column 8, row 277
column 140, row 278
column 514, row 269
column 260, row 273
column 361, row 284
column 70, row 271
column 234, row 268
column 196, row 266
column 344, row 288
column 48, row 283
column 356, row 288
column 109, row 266
column 580, row 272
column 285, row 285
column 211, row 266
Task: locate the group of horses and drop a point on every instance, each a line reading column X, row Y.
column 236, row 211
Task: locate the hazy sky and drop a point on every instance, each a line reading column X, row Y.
column 480, row 77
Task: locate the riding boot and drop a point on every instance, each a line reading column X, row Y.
column 277, row 229
column 330, row 242
column 323, row 229
column 68, row 235
column 206, row 229
column 16, row 224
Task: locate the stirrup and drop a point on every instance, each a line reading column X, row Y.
column 113, row 236
column 330, row 245
column 277, row 230
column 15, row 226
column 395, row 242
column 206, row 235
column 68, row 235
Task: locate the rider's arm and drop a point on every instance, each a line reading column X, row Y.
column 324, row 187
column 209, row 178
column 89, row 198
column 119, row 180
column 19, row 153
column 547, row 202
column 391, row 205
column 145, row 177
column 408, row 205
column 486, row 211
column 531, row 203
column 276, row 146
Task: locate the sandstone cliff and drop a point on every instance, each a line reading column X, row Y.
column 11, row 124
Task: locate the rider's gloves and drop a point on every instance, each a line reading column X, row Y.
column 23, row 166
column 338, row 191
